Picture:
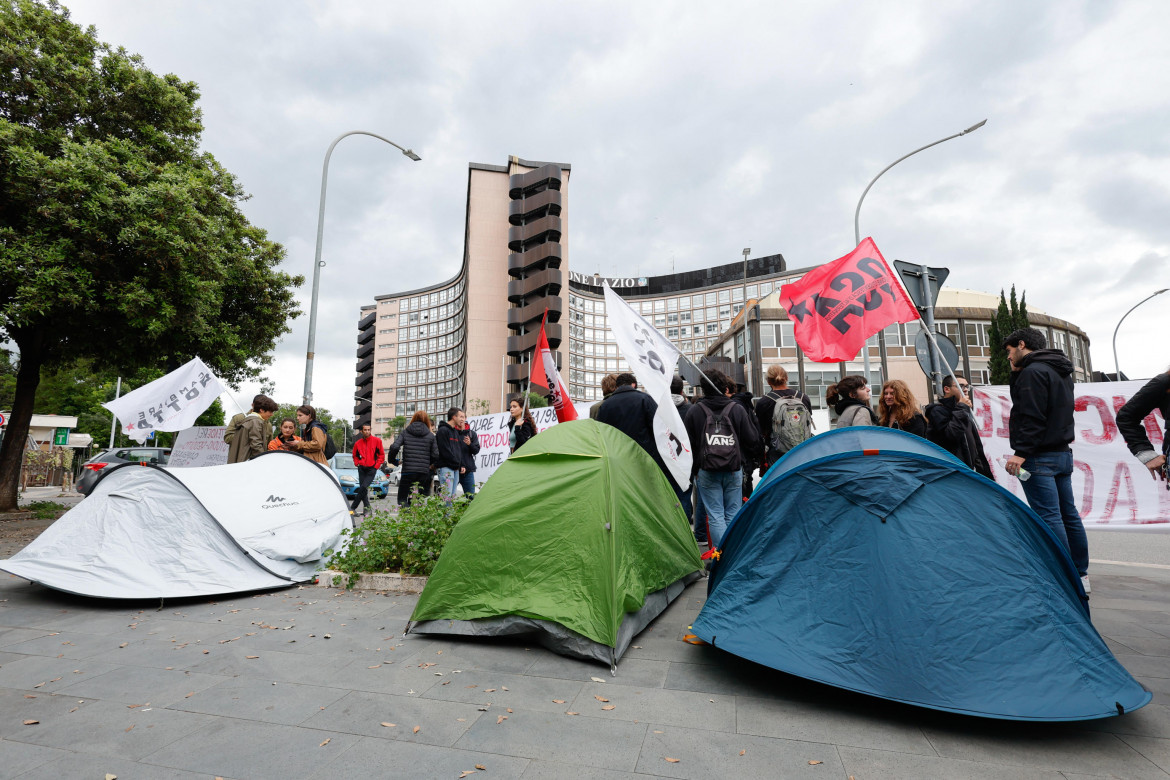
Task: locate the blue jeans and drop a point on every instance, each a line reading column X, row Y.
column 447, row 481
column 1049, row 493
column 467, row 482
column 722, row 493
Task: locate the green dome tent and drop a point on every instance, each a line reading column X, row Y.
column 577, row 539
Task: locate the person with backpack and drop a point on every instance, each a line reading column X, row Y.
column 784, row 414
column 850, row 400
column 247, row 434
column 723, row 438
column 420, row 456
column 316, row 443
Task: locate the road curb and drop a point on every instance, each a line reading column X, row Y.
column 379, row 581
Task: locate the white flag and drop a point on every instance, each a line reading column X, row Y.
column 652, row 359
column 168, row 404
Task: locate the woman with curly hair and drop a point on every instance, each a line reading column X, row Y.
column 899, row 409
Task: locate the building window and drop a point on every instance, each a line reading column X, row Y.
column 672, row 319
column 672, row 333
column 672, row 304
column 767, row 335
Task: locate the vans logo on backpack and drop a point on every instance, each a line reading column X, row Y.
column 714, row 440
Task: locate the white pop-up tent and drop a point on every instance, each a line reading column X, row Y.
column 149, row 532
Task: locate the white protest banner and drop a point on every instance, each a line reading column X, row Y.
column 199, row 446
column 494, row 441
column 652, row 358
column 1112, row 488
column 168, row 404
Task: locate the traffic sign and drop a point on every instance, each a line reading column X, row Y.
column 61, row 437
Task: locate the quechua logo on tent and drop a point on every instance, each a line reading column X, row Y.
column 276, row 502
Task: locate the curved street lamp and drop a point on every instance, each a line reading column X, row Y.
column 308, row 395
column 857, row 233
column 1116, row 365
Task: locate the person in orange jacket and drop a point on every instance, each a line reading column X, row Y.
column 288, row 430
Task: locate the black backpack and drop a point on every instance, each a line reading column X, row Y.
column 330, row 445
column 720, row 445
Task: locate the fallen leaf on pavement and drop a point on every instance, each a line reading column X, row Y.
column 601, row 698
column 467, row 773
column 416, row 729
column 742, row 752
column 30, row 696
column 558, row 701
column 123, row 644
column 481, row 767
column 489, row 690
column 446, row 682
column 129, row 727
column 607, row 707
column 205, row 652
column 597, row 679
column 503, row 687
column 501, row 719
column 509, row 710
column 111, row 777
column 389, row 725
column 672, row 760
column 31, row 722
column 189, row 695
column 251, row 657
column 73, row 710
column 659, row 732
column 38, row 685
column 426, row 665
column 814, row 763
column 326, row 742
column 570, row 712
column 461, row 720
column 55, row 679
column 375, row 666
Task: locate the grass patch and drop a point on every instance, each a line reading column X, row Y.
column 45, row 510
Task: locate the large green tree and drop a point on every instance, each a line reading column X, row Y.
column 1008, row 317
column 120, row 239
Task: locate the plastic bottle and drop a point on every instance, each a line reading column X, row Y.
column 1024, row 474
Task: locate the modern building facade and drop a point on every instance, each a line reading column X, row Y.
column 467, row 341
column 962, row 315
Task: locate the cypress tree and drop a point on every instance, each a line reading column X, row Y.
column 1001, row 326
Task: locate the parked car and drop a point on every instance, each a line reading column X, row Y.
column 347, row 474
column 93, row 468
column 396, row 474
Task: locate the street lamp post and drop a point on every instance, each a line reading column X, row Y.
column 857, row 234
column 1116, row 365
column 308, row 395
column 746, row 356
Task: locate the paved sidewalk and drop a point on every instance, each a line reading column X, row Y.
column 316, row 683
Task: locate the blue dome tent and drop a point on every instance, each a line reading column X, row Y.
column 872, row 560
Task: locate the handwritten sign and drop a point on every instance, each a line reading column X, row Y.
column 202, row 446
column 494, row 438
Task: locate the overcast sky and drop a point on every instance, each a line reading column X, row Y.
column 694, row 131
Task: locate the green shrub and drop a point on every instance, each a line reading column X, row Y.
column 407, row 543
column 46, row 510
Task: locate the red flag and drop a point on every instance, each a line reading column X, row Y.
column 836, row 307
column 544, row 373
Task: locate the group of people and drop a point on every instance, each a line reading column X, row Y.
column 250, row 433
column 949, row 422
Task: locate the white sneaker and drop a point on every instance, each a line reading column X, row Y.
column 1085, row 583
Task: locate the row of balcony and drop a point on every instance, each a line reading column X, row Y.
column 522, row 185
column 517, row 373
column 526, row 342
column 539, row 205
column 529, row 317
column 546, row 282
column 544, row 230
column 547, row 255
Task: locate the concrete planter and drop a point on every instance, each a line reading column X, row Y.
column 386, row 583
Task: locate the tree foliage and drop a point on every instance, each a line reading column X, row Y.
column 121, row 241
column 1008, row 317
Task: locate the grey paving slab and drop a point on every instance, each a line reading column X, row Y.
column 129, row 685
column 713, row 712
column 1156, row 750
column 10, row 657
column 402, row 675
column 1041, row 746
column 187, row 631
column 874, row 764
column 231, row 661
column 46, row 675
column 547, row 770
column 733, row 676
column 12, row 636
column 500, row 656
column 631, row 671
column 111, row 729
column 1145, row 665
column 378, row 759
column 1153, row 720
column 104, row 622
column 250, row 749
column 48, row 616
column 18, row 706
column 263, row 700
column 438, row 722
column 706, row 754
column 159, row 653
column 1153, row 646
column 67, row 645
column 84, row 765
column 500, row 690
column 809, row 721
column 1113, row 627
column 19, row 757
column 670, row 649
column 565, row 739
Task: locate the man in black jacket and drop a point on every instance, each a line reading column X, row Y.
column 458, row 446
column 1041, row 430
column 632, row 413
column 1130, row 421
column 723, row 438
column 953, row 428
